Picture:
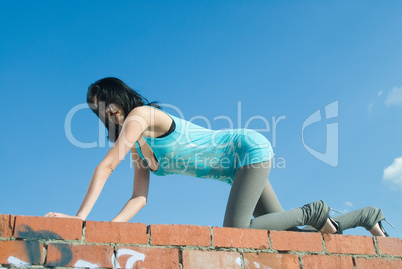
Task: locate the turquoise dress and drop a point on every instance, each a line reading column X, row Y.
column 196, row 151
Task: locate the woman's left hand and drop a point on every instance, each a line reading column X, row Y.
column 60, row 215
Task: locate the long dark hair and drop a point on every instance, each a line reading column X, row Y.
column 112, row 90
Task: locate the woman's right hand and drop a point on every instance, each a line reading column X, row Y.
column 61, row 215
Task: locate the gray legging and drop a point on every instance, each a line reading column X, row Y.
column 252, row 194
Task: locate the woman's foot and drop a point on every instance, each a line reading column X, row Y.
column 329, row 228
column 377, row 231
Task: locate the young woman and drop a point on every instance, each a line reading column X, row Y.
column 165, row 144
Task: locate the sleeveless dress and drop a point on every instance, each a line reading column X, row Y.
column 196, row 151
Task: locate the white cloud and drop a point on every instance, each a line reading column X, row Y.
column 393, row 173
column 394, row 97
column 380, row 93
column 348, row 204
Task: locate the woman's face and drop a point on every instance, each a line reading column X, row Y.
column 112, row 112
column 115, row 114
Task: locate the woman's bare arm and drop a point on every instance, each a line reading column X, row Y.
column 140, row 192
column 135, row 124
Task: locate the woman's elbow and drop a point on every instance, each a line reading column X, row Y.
column 144, row 202
column 141, row 200
column 104, row 168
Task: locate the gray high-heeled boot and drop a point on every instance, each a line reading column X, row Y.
column 316, row 214
column 365, row 217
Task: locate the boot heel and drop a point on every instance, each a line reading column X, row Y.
column 337, row 225
column 382, row 228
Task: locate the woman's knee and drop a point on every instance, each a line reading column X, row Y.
column 236, row 224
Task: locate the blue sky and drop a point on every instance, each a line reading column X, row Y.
column 275, row 60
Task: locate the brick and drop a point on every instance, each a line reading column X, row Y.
column 210, row 259
column 145, row 257
column 66, row 255
column 187, row 235
column 270, row 260
column 6, row 225
column 116, row 232
column 327, row 262
column 48, row 228
column 296, row 241
column 240, row 238
column 363, row 263
column 12, row 252
column 390, row 246
column 349, row 244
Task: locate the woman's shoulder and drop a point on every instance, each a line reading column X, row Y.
column 149, row 113
column 140, row 111
column 145, row 111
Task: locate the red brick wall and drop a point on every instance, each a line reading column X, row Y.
column 50, row 242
